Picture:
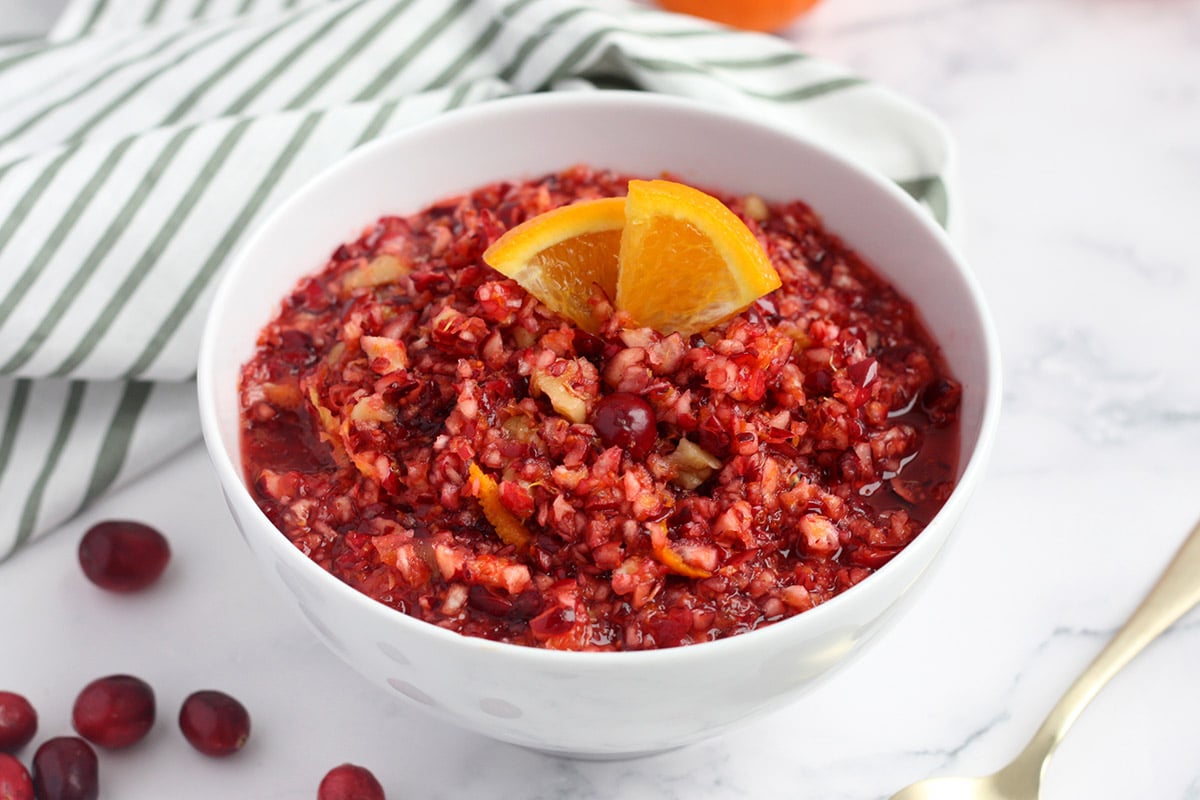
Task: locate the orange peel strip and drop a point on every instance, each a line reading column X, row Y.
column 507, row 526
column 674, row 562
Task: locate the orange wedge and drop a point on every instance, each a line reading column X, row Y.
column 687, row 262
column 562, row 255
column 672, row 256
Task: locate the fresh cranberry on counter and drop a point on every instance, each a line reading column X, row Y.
column 15, row 783
column 123, row 556
column 18, row 722
column 115, row 711
column 66, row 768
column 350, row 782
column 214, row 723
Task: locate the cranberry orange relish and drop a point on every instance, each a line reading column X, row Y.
column 439, row 439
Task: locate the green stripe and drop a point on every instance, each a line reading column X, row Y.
column 90, row 86
column 412, row 51
column 154, row 251
column 385, row 112
column 155, row 12
column 785, row 95
column 762, row 62
column 33, row 502
column 199, row 90
column 93, row 260
column 702, row 65
column 97, row 10
column 267, row 78
column 809, row 92
column 200, row 10
column 245, row 7
column 157, row 73
column 61, row 231
column 378, row 120
column 568, row 64
column 482, row 42
column 931, row 191
column 34, row 193
column 185, row 302
column 530, row 44
column 117, row 440
column 665, row 64
column 360, row 44
column 40, row 49
column 458, row 97
column 619, row 82
column 12, row 421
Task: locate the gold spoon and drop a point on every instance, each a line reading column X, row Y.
column 1175, row 593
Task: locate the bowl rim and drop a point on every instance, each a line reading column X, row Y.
column 229, row 472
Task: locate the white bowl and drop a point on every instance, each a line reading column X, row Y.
column 604, row 705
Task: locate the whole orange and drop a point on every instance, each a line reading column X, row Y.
column 754, row 15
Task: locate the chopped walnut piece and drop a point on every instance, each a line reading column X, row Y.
column 693, row 465
column 378, row 271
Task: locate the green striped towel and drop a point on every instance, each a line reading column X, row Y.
column 143, row 139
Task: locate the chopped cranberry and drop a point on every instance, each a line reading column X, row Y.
column 114, row 712
column 66, row 768
column 484, row 599
column 214, row 723
column 526, row 605
column 873, row 557
column 123, row 556
column 18, row 722
column 589, row 346
column 349, row 782
column 863, row 372
column 553, row 622
column 940, row 400
column 819, row 382
column 296, row 348
column 627, row 421
column 15, row 783
column 763, row 311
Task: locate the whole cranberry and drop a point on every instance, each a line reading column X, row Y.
column 627, row 421
column 123, row 556
column 114, row 712
column 15, row 783
column 214, row 723
column 18, row 722
column 349, row 782
column 65, row 768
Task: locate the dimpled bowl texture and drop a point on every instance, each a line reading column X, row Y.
column 593, row 705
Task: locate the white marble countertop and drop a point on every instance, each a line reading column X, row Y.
column 1079, row 132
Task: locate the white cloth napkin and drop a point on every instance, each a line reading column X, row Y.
column 144, row 139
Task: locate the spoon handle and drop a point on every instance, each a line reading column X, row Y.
column 1176, row 592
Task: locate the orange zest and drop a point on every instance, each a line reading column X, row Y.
column 561, row 256
column 672, row 257
column 674, row 562
column 508, row 527
column 687, row 262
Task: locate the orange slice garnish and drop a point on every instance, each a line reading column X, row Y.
column 687, row 262
column 673, row 257
column 561, row 256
